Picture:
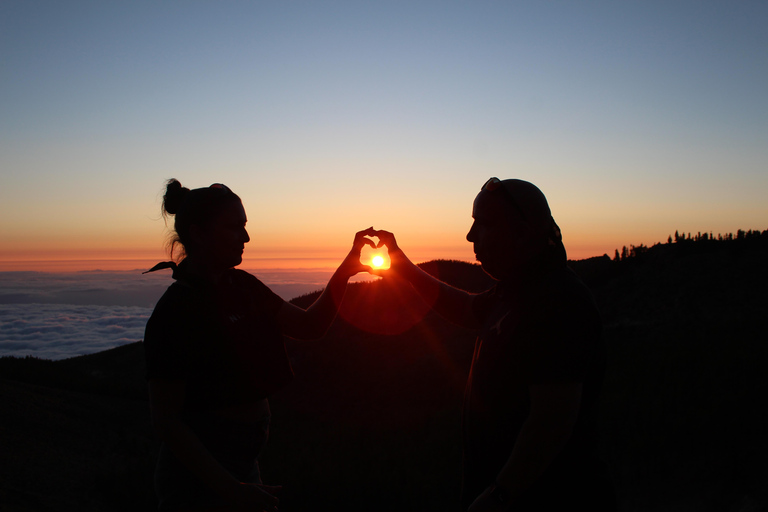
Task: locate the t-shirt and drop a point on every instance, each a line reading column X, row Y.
column 540, row 329
column 222, row 339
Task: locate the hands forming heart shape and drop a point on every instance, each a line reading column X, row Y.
column 373, row 255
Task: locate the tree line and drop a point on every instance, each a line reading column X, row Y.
column 751, row 236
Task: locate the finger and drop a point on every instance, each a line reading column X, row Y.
column 366, row 232
column 359, row 243
column 385, row 239
column 387, row 242
column 382, row 272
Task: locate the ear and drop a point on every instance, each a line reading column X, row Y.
column 196, row 235
column 528, row 238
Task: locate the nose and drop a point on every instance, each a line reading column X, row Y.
column 246, row 237
column 471, row 234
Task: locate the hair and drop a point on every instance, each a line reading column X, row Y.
column 195, row 207
column 532, row 204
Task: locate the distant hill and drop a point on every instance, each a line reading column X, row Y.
column 372, row 420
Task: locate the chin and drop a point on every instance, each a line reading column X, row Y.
column 234, row 262
column 493, row 274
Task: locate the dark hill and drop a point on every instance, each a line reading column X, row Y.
column 372, row 420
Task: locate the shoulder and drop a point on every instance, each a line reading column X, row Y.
column 568, row 300
column 180, row 305
column 246, row 280
column 177, row 294
column 484, row 301
column 565, row 288
column 256, row 289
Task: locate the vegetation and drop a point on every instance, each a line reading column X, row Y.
column 372, row 420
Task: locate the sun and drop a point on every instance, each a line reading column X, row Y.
column 377, row 261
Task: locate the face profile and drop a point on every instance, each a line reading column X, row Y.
column 220, row 242
column 501, row 239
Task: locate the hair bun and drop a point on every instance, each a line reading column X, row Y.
column 174, row 197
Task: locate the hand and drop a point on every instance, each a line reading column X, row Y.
column 396, row 256
column 486, row 503
column 351, row 264
column 256, row 497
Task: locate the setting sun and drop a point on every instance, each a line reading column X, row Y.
column 377, row 261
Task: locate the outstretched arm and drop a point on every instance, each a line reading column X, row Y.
column 313, row 322
column 451, row 303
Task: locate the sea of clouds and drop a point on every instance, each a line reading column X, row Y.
column 60, row 315
column 59, row 331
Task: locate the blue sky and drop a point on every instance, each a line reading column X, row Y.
column 635, row 119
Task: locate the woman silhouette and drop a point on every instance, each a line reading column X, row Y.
column 215, row 352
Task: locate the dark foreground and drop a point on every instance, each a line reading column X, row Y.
column 372, row 420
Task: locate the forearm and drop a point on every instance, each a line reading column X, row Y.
column 320, row 315
column 449, row 302
column 539, row 442
column 193, row 455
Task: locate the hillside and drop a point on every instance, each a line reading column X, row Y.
column 372, row 420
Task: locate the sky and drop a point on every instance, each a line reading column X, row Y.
column 636, row 119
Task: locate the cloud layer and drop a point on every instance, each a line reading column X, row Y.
column 130, row 288
column 60, row 315
column 59, row 331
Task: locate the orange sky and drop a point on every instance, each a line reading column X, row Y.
column 91, row 257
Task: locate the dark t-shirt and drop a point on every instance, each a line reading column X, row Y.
column 222, row 339
column 540, row 329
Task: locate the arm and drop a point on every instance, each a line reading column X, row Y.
column 313, row 322
column 554, row 409
column 451, row 303
column 166, row 399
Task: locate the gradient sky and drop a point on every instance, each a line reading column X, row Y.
column 636, row 119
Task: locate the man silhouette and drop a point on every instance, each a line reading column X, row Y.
column 530, row 404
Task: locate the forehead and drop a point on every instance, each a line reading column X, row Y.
column 233, row 211
column 491, row 206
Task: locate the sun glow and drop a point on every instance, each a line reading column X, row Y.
column 377, row 261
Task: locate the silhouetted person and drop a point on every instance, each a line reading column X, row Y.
column 215, row 352
column 530, row 404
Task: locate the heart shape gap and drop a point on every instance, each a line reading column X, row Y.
column 376, row 258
